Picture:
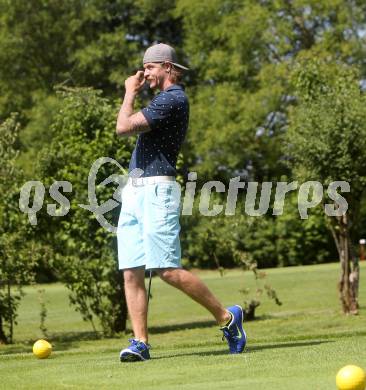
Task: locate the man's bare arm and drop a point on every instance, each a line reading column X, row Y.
column 129, row 123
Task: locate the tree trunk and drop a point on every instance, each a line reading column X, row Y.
column 348, row 282
column 354, row 278
column 11, row 320
column 3, row 338
column 250, row 310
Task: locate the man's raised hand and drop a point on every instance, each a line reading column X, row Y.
column 134, row 83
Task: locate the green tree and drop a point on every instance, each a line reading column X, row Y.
column 96, row 43
column 242, row 53
column 271, row 241
column 327, row 142
column 85, row 251
column 18, row 252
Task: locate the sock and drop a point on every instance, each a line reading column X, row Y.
column 227, row 323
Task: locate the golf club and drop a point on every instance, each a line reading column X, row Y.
column 149, row 289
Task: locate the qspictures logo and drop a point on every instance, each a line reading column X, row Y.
column 256, row 196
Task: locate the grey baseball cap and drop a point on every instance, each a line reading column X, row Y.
column 162, row 52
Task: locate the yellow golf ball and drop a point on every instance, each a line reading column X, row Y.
column 42, row 349
column 351, row 378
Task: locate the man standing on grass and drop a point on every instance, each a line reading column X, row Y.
column 148, row 227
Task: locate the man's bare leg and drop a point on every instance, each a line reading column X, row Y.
column 191, row 285
column 136, row 299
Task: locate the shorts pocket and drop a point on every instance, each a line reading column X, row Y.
column 167, row 196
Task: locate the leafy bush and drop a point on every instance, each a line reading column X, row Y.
column 272, row 241
column 85, row 252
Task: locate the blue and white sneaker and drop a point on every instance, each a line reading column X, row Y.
column 234, row 332
column 137, row 351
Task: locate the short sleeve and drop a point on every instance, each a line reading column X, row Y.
column 160, row 112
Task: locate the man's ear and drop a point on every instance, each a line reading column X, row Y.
column 167, row 67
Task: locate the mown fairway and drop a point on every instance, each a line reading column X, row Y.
column 298, row 346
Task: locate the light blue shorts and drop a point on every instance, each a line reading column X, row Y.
column 148, row 226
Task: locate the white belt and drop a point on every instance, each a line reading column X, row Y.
column 141, row 181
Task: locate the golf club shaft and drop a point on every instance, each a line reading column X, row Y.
column 149, row 289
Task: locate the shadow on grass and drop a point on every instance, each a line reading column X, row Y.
column 205, row 354
column 68, row 340
column 13, row 349
column 183, row 326
column 65, row 337
column 196, row 325
column 61, row 340
column 250, row 349
column 258, row 348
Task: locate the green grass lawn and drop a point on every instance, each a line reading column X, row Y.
column 299, row 345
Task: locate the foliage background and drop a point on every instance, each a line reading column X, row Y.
column 242, row 56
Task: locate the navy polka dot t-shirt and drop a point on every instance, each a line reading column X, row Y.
column 156, row 151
